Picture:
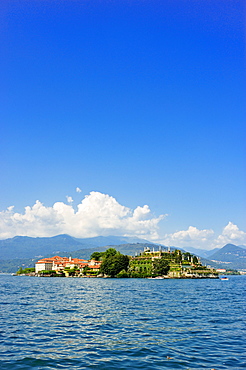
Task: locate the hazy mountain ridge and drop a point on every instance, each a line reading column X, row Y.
column 204, row 253
column 101, row 241
column 28, row 247
column 228, row 251
column 231, row 255
column 242, row 246
column 23, row 250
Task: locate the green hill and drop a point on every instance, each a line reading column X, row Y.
column 230, row 256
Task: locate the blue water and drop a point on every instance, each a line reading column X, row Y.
column 72, row 323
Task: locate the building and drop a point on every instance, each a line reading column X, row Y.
column 181, row 265
column 67, row 265
column 43, row 265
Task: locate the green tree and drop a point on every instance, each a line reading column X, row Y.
column 20, row 271
column 177, row 256
column 122, row 274
column 85, row 270
column 27, row 270
column 110, row 252
column 195, row 260
column 48, row 272
column 161, row 266
column 113, row 264
column 97, row 256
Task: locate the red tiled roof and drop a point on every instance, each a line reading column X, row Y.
column 62, row 262
column 61, row 259
column 94, row 267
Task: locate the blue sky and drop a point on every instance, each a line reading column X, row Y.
column 139, row 100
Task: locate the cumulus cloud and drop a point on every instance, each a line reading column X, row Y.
column 230, row 234
column 32, row 222
column 190, row 237
column 101, row 214
column 97, row 214
column 206, row 238
column 78, row 190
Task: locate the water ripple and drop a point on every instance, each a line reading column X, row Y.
column 122, row 323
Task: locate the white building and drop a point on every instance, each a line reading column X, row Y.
column 40, row 266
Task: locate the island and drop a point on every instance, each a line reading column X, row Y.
column 154, row 264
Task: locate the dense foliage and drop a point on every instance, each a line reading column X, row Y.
column 113, row 263
column 161, row 266
column 25, row 270
column 97, row 256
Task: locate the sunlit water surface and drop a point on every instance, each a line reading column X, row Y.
column 72, row 323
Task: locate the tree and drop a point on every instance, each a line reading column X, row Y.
column 97, row 256
column 85, row 270
column 161, row 266
column 20, row 271
column 110, row 252
column 177, row 256
column 195, row 260
column 113, row 264
column 122, row 274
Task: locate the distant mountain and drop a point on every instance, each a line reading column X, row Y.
column 231, row 256
column 101, row 241
column 13, row 265
column 27, row 247
column 201, row 252
column 242, row 246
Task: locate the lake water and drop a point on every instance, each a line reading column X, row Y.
column 72, row 323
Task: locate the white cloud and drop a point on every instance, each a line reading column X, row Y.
column 140, row 213
column 101, row 214
column 206, row 238
column 230, row 234
column 37, row 220
column 190, row 237
column 69, row 199
column 78, row 190
column 97, row 214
